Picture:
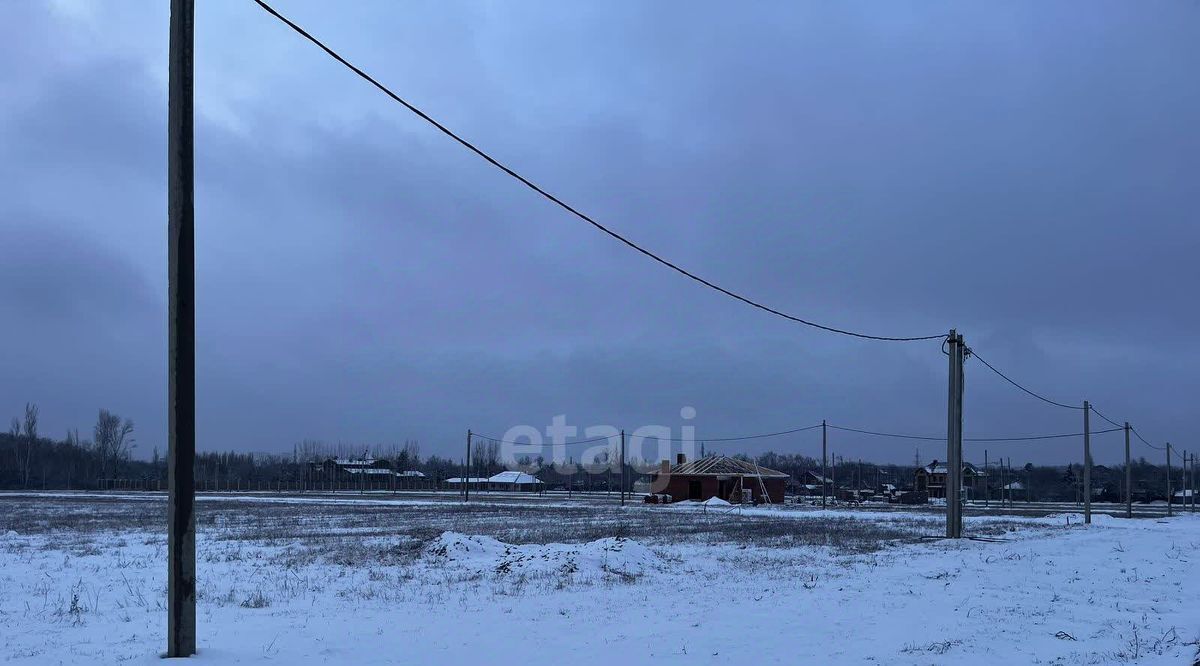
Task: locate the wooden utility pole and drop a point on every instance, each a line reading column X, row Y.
column 1128, row 477
column 954, row 438
column 824, row 461
column 1087, row 463
column 624, row 485
column 467, row 478
column 181, row 335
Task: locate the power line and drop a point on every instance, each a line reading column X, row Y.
column 888, row 434
column 1010, row 381
column 1024, row 438
column 486, row 438
column 1131, row 428
column 1035, row 437
column 567, row 207
column 1139, row 436
column 709, row 440
column 1097, row 413
column 686, row 273
column 698, row 440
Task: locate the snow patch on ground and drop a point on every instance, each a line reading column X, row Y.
column 1041, row 592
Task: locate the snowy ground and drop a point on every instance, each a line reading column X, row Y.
column 82, row 581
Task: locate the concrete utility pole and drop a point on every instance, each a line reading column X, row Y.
column 1169, row 510
column 824, row 454
column 1192, row 482
column 624, row 485
column 1011, row 478
column 1087, row 463
column 467, row 479
column 954, row 438
column 1191, row 476
column 987, row 473
column 1183, row 482
column 833, row 478
column 181, row 336
column 1128, row 477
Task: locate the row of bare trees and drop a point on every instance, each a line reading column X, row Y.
column 42, row 462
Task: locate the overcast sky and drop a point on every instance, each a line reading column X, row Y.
column 1024, row 171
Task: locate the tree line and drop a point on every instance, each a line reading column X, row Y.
column 29, row 460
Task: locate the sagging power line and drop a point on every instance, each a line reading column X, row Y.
column 568, row 207
column 1014, row 383
column 957, row 349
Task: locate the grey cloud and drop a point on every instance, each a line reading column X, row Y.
column 1015, row 170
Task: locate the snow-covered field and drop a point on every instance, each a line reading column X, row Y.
column 82, row 581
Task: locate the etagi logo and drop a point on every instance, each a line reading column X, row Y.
column 597, row 449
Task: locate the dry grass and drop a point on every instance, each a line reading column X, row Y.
column 347, row 533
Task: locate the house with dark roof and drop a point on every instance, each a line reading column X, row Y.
column 931, row 479
column 730, row 479
column 351, row 469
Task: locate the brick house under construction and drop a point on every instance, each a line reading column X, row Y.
column 718, row 476
column 932, row 479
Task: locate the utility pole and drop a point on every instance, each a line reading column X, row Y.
column 824, row 454
column 833, row 478
column 467, row 478
column 1183, row 483
column 1087, row 463
column 623, row 479
column 954, row 438
column 1011, row 479
column 181, row 335
column 987, row 473
column 1192, row 482
column 1128, row 477
column 1169, row 510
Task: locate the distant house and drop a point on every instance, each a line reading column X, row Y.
column 511, row 481
column 474, row 482
column 515, row 481
column 347, row 469
column 931, row 479
column 1013, row 490
column 814, row 482
column 728, row 478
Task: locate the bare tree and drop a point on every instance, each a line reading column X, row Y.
column 30, row 437
column 15, row 432
column 113, row 441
